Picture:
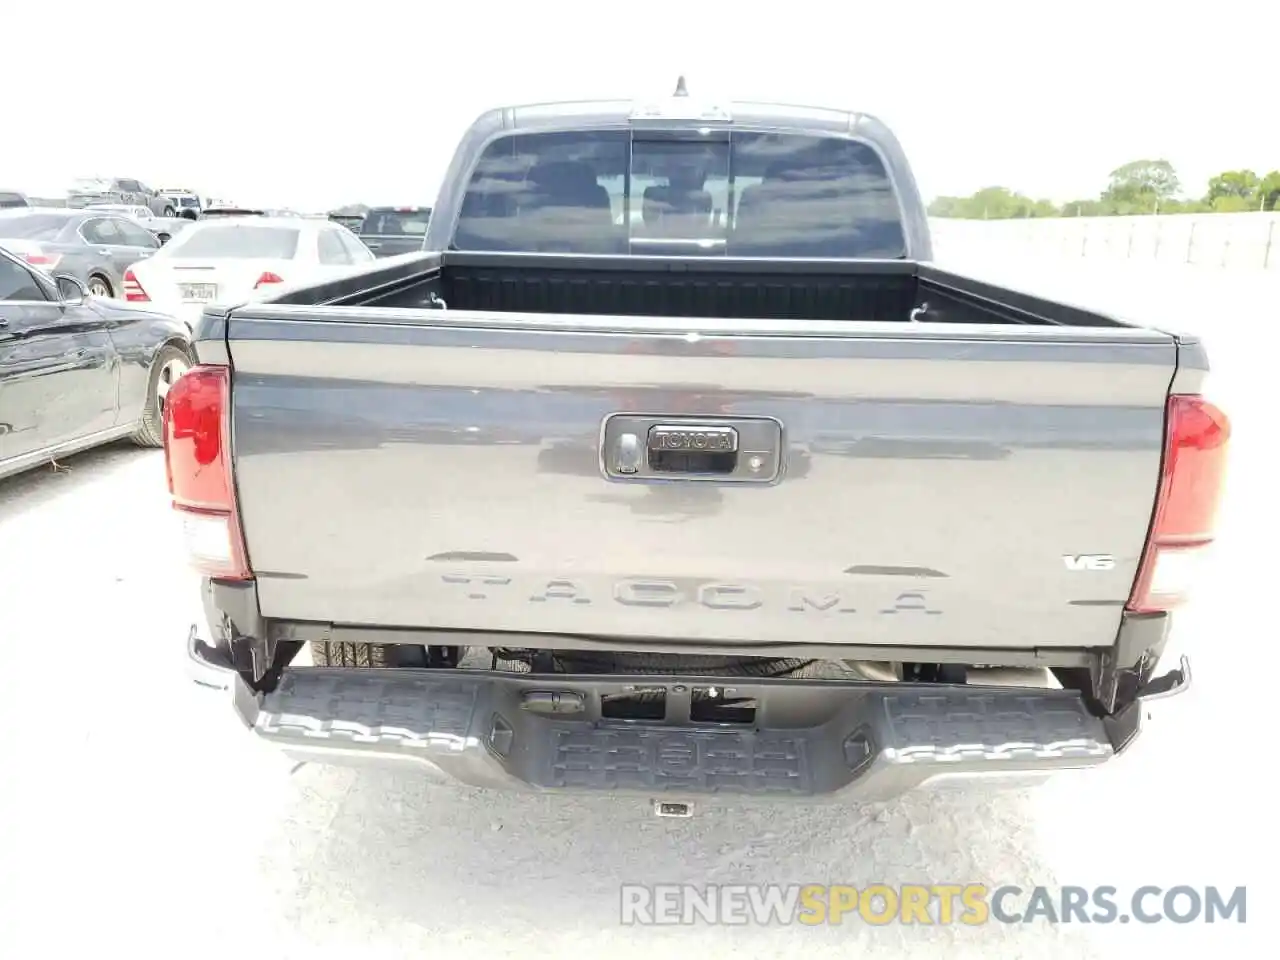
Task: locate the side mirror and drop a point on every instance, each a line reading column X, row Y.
column 72, row 291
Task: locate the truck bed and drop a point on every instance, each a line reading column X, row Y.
column 702, row 288
column 916, row 483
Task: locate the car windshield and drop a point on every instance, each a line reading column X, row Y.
column 385, row 222
column 719, row 194
column 32, row 226
column 239, row 241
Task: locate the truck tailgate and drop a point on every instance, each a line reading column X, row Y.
column 922, row 484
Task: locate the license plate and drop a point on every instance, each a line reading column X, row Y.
column 199, row 291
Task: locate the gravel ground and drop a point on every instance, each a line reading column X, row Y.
column 135, row 813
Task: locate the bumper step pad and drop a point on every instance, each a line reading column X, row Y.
column 809, row 739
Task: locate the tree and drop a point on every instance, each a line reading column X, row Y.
column 1234, row 190
column 1269, row 191
column 992, row 203
column 1142, row 185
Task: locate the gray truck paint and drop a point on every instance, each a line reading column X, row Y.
column 891, row 536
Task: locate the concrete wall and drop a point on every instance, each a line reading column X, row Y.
column 1245, row 241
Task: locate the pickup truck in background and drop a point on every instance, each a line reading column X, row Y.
column 1003, row 497
column 390, row 231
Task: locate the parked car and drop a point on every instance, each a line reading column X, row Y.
column 186, row 202
column 232, row 259
column 90, row 190
column 163, row 228
column 696, row 295
column 77, row 371
column 94, row 247
column 11, row 198
column 389, row 231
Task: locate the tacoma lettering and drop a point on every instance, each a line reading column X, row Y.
column 666, row 594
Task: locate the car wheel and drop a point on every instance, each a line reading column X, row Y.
column 169, row 212
column 170, row 363
column 99, row 287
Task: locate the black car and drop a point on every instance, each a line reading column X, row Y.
column 76, row 370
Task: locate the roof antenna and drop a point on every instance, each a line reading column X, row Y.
column 681, row 89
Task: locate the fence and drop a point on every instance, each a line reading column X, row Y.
column 1236, row 240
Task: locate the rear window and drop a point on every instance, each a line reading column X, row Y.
column 237, row 241
column 396, row 223
column 721, row 194
column 188, row 202
column 32, row 226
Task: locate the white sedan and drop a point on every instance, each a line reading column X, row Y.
column 234, row 259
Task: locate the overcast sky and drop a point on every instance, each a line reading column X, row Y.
column 313, row 105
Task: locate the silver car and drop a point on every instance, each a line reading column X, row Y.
column 95, row 247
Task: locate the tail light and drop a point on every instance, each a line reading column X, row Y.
column 1182, row 527
column 133, row 291
column 266, row 278
column 197, row 455
column 43, row 261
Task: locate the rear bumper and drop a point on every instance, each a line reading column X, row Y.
column 810, row 739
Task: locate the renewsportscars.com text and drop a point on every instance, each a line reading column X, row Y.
column 970, row 904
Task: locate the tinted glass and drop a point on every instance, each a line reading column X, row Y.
column 396, row 223
column 238, row 241
column 17, row 283
column 744, row 194
column 188, row 202
column 32, row 226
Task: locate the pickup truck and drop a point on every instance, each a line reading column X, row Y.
column 1003, row 498
column 391, row 231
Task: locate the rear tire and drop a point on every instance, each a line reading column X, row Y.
column 99, row 286
column 169, row 212
column 368, row 655
column 170, row 363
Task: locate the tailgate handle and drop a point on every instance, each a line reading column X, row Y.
column 641, row 447
column 685, row 448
